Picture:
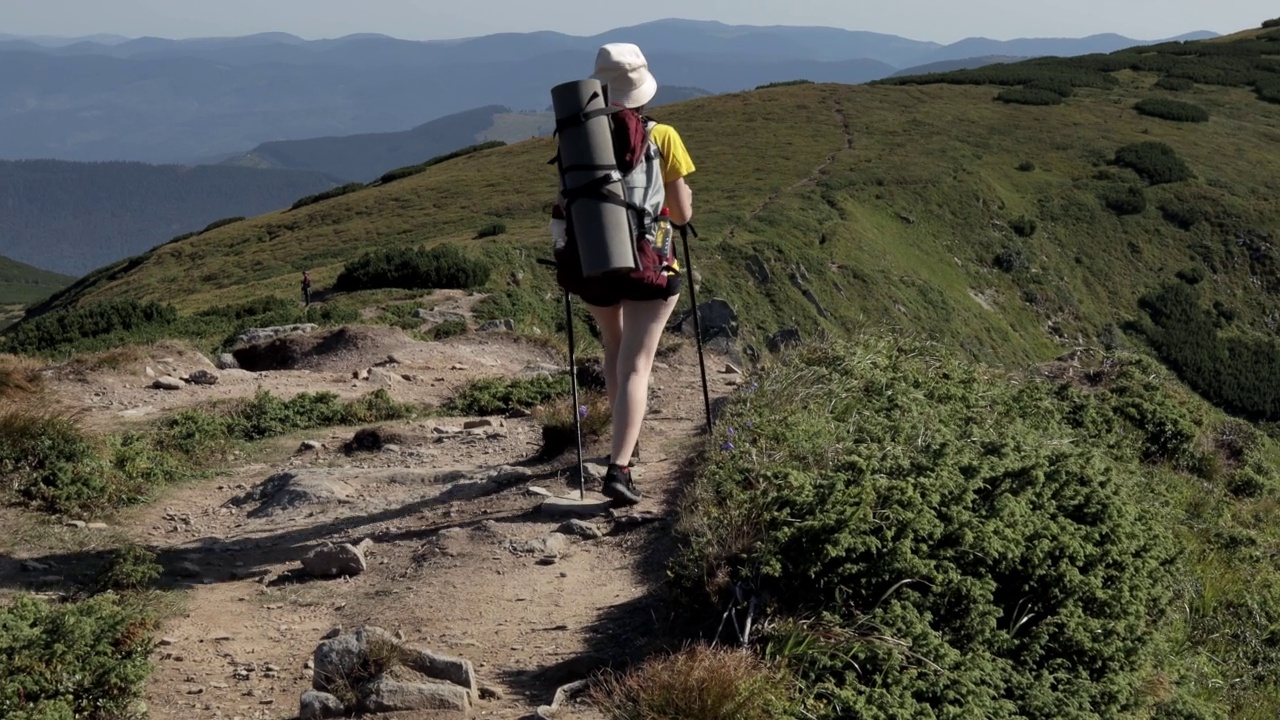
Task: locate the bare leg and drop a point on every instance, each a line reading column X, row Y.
column 643, row 323
column 610, row 322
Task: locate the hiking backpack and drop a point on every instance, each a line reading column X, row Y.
column 637, row 163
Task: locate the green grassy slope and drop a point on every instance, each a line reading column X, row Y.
column 888, row 204
column 21, row 284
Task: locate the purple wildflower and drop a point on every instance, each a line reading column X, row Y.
column 732, row 432
column 582, row 411
column 749, row 424
column 727, row 446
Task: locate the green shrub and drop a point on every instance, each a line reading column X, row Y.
column 1024, row 226
column 443, row 266
column 1240, row 374
column 1057, row 85
column 1268, row 89
column 784, row 83
column 984, row 547
column 1012, row 260
column 266, row 415
column 129, row 569
column 221, row 223
column 48, row 462
column 492, row 230
column 80, row 661
column 1126, row 200
column 1026, row 166
column 1023, row 96
column 1273, row 23
column 1155, row 162
column 79, row 327
column 1175, row 84
column 411, row 170
column 1182, row 214
column 497, row 396
column 328, row 195
column 1172, row 110
column 1192, row 275
column 448, row 329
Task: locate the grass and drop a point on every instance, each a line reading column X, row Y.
column 22, row 284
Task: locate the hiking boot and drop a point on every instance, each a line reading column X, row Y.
column 619, row 487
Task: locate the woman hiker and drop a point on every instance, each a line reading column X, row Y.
column 630, row 320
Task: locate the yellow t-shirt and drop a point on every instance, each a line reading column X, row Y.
column 676, row 162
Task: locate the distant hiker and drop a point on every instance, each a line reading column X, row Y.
column 631, row 307
column 306, row 288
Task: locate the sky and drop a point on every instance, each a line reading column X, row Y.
column 942, row 21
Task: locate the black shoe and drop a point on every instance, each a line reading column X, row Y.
column 619, row 487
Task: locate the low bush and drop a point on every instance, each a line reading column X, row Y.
column 699, row 683
column 266, row 415
column 48, row 462
column 443, row 266
column 1155, row 162
column 86, row 660
column 221, row 223
column 1182, row 214
column 411, row 170
column 1023, row 96
column 1124, row 200
column 79, row 327
column 491, row 230
column 1012, row 260
column 784, row 83
column 985, row 548
column 1273, row 23
column 1172, row 110
column 1268, row 90
column 1024, row 226
column 447, row 329
column 1175, row 84
column 131, row 568
column 328, row 195
column 1240, row 374
column 498, row 396
column 1056, row 85
column 559, row 432
column 1026, row 166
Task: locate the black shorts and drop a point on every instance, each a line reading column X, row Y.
column 618, row 290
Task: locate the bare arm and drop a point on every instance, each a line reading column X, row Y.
column 680, row 201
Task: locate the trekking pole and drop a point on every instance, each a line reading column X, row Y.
column 573, row 383
column 697, row 323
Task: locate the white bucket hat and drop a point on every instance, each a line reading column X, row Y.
column 624, row 69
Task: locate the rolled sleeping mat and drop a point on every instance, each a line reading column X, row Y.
column 603, row 229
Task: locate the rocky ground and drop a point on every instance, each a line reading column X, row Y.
column 436, row 535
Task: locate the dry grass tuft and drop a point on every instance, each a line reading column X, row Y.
column 698, row 683
column 19, row 376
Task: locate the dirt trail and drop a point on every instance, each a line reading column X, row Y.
column 455, row 567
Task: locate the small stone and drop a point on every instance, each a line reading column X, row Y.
column 188, row 570
column 168, row 383
column 76, row 524
column 583, row 529
column 316, row 705
column 506, row 325
column 167, row 642
column 490, row 693
column 195, row 691
column 476, row 424
column 97, row 526
column 310, row 445
column 33, row 566
column 202, row 377
column 518, row 413
column 731, row 369
column 439, row 430
column 540, row 491
column 227, row 361
column 221, row 638
column 459, row 366
column 334, row 561
column 150, row 373
column 333, row 633
column 458, row 671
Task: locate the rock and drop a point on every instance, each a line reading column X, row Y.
column 334, row 561
column 731, row 369
column 582, row 529
column 518, row 413
column 149, row 372
column 333, row 633
column 759, row 269
column 472, row 484
column 202, row 377
column 33, row 566
column 76, row 524
column 289, row 491
column 383, row 695
column 316, row 705
column 562, row 507
column 310, row 445
column 506, row 325
column 227, row 361
column 187, row 570
column 717, row 318
column 540, row 491
column 257, row 336
column 378, row 376
column 783, row 338
column 168, row 642
column 490, row 693
column 555, row 544
column 97, row 526
column 455, row 670
column 907, row 218
column 475, row 424
column 437, row 316
column 337, row 659
column 168, row 383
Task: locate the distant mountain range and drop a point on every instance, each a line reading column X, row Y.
column 364, row 158
column 74, row 217
column 165, row 101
